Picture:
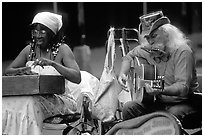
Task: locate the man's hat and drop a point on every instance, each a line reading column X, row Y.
column 152, row 21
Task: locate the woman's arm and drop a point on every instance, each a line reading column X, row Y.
column 70, row 70
column 18, row 66
column 66, row 65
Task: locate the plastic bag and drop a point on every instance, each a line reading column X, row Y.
column 106, row 100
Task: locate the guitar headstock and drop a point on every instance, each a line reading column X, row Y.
column 158, row 83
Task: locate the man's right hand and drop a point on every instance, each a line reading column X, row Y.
column 122, row 79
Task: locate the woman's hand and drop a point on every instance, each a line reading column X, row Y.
column 43, row 62
column 152, row 91
column 21, row 71
column 26, row 71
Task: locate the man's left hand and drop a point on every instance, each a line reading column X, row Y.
column 152, row 91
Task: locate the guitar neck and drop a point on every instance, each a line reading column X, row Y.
column 141, row 83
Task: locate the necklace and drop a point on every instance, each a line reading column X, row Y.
column 47, row 51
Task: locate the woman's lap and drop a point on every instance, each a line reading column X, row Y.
column 25, row 114
column 52, row 105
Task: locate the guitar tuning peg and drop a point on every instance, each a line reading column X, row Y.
column 160, row 77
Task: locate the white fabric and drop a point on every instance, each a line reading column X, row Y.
column 51, row 20
column 21, row 116
column 88, row 87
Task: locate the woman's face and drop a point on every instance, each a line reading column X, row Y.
column 42, row 35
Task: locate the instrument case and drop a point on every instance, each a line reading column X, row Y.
column 32, row 84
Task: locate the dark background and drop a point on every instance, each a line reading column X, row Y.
column 99, row 16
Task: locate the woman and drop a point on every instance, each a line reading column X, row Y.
column 44, row 49
column 46, row 54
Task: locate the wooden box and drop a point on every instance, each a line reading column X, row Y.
column 32, row 84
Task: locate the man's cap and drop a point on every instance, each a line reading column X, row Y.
column 152, row 21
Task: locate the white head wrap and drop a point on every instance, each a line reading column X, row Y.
column 51, row 20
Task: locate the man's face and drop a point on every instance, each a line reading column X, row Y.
column 157, row 38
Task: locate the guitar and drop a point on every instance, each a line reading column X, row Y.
column 145, row 73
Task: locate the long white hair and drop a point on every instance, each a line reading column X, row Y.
column 176, row 37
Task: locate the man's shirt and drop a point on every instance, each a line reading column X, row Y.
column 179, row 71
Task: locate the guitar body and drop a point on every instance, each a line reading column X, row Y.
column 145, row 73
